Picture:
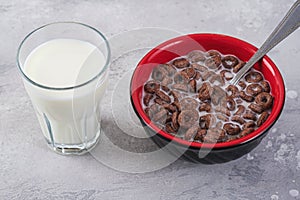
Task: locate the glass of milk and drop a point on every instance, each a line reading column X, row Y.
column 64, row 67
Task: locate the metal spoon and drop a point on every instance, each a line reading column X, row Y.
column 288, row 24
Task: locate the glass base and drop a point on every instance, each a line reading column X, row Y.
column 74, row 149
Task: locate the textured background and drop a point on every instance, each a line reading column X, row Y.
column 29, row 170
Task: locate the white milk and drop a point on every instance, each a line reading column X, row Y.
column 67, row 117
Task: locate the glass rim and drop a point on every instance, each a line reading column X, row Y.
column 76, row 85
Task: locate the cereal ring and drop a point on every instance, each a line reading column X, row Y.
column 232, row 129
column 207, row 121
column 250, row 124
column 198, row 67
column 159, row 101
column 241, row 110
column 163, row 96
column 263, row 117
column 249, row 115
column 188, row 118
column 147, row 98
column 181, row 87
column 191, row 133
column 227, row 75
column 229, row 61
column 188, row 103
column 166, row 81
column 151, row 86
column 147, row 111
column 181, row 63
column 170, row 107
column 213, row 63
column 205, row 107
column 206, row 75
column 181, row 78
column 214, row 135
column 169, row 119
column 190, row 72
column 214, row 60
column 223, row 110
column 217, row 78
column 200, row 134
column 222, row 117
column 239, row 66
column 219, row 125
column 170, row 129
column 160, row 116
column 242, row 84
column 265, row 100
column 256, row 108
column 177, row 105
column 175, row 124
column 214, row 53
column 246, row 97
column 266, row 86
column 230, row 104
column 218, row 95
column 197, row 76
column 176, row 95
column 170, row 69
column 196, row 56
column 204, row 92
column 165, row 88
column 153, row 109
column 159, row 73
column 246, row 131
column 193, row 86
column 238, row 119
column 254, row 89
column 232, row 91
column 253, row 77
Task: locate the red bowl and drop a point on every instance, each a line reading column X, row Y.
column 224, row 44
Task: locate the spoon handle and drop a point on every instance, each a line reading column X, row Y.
column 288, row 24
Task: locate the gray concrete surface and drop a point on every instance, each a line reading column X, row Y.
column 29, row 170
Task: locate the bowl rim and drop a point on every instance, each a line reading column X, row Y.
column 276, row 111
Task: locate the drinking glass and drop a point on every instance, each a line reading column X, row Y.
column 69, row 115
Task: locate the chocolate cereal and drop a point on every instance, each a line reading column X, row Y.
column 190, row 97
